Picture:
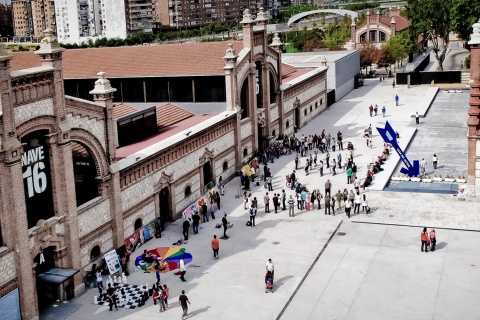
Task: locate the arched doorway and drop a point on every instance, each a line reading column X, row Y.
column 297, row 119
column 164, row 199
column 85, row 173
column 138, row 224
column 207, row 173
column 244, row 100
column 261, row 140
column 46, row 292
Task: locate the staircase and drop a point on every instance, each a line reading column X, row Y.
column 465, row 77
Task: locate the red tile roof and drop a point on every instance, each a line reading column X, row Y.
column 401, row 22
column 296, row 74
column 167, row 132
column 121, row 110
column 169, row 114
column 187, row 59
column 287, row 69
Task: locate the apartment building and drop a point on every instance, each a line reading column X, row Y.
column 191, row 13
column 6, row 23
column 31, row 17
column 139, row 15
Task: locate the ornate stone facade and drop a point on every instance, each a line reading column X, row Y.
column 474, row 111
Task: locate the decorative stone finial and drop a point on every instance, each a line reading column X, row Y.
column 49, row 43
column 4, row 54
column 276, row 42
column 353, row 24
column 368, row 12
column 324, row 61
column 393, row 21
column 475, row 37
column 261, row 16
column 377, row 12
column 102, row 85
column 230, row 53
column 247, row 17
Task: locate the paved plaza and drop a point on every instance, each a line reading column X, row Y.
column 374, row 271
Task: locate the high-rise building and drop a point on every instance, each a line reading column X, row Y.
column 32, row 17
column 6, row 22
column 192, row 13
column 139, row 15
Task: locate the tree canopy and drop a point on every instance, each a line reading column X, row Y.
column 464, row 14
column 434, row 22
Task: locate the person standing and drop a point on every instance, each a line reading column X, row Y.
column 340, row 140
column 266, row 200
column 319, row 199
column 339, row 196
column 165, row 295
column 221, row 185
column 376, row 110
column 284, row 199
column 328, row 186
column 217, row 199
column 112, row 299
column 204, row 212
column 182, row 268
column 348, row 207
column 99, row 279
column 293, row 178
column 253, row 212
column 225, row 225
column 215, row 247
column 186, row 228
column 424, row 239
column 327, row 160
column 334, row 166
column 356, row 184
column 364, row 204
column 332, row 200
column 276, row 203
column 349, row 175
column 304, row 199
column 320, row 169
column 433, row 239
column 270, row 267
column 354, row 171
column 358, row 201
column 384, row 111
column 183, row 302
column 196, row 222
column 423, row 166
column 397, row 98
column 417, row 118
column 434, row 162
column 291, row 206
column 269, row 183
column 296, row 162
column 327, row 204
column 371, row 110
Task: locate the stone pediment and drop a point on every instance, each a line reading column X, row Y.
column 207, row 156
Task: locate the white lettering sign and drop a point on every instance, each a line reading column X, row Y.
column 36, row 179
column 257, row 80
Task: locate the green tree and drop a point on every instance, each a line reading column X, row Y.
column 433, row 21
column 368, row 55
column 385, row 58
column 464, row 14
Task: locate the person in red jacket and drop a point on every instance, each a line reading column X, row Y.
column 424, row 239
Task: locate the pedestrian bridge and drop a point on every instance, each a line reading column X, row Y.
column 302, row 15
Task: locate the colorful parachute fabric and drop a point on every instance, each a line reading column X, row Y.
column 170, row 258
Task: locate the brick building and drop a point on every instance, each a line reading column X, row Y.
column 72, row 189
column 31, row 17
column 473, row 122
column 6, row 22
column 377, row 30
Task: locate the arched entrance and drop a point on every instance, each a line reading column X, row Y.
column 164, row 197
column 207, row 173
column 46, row 292
column 138, row 224
column 85, row 172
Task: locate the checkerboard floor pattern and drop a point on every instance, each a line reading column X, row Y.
column 132, row 295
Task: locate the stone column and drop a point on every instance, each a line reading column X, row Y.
column 473, row 121
column 353, row 29
column 394, row 24
column 230, row 84
column 277, row 46
column 13, row 202
column 103, row 96
column 247, row 29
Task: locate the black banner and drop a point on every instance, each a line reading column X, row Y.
column 258, row 84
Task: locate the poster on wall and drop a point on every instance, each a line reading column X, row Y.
column 190, row 211
column 113, row 264
column 36, row 177
column 133, row 241
column 149, row 231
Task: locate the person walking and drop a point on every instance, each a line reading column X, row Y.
column 320, row 169
column 332, row 203
column 349, row 175
column 433, row 240
column 270, row 267
column 215, row 247
column 269, row 183
column 284, row 199
column 358, row 201
column 397, row 99
column 371, row 110
column 204, row 212
column 328, row 187
column 182, row 268
column 339, row 196
column 183, row 302
column 112, row 298
column 291, row 206
column 165, row 295
column 356, row 184
column 217, row 199
column 327, row 160
column 196, row 222
column 384, row 111
column 319, row 199
column 417, row 118
column 423, row 166
column 354, row 171
column 276, row 203
column 424, row 239
column 296, row 161
column 293, row 178
column 266, row 200
column 348, row 207
column 333, row 144
column 434, row 162
column 225, row 225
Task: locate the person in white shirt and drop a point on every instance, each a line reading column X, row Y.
column 435, row 161
column 183, row 270
column 356, row 184
column 423, row 165
column 358, row 201
column 99, row 280
column 270, row 267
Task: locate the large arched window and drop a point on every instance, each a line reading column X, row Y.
column 85, row 172
column 95, row 253
column 138, row 224
column 273, row 95
column 244, row 100
column 382, row 36
column 363, row 37
column 188, row 191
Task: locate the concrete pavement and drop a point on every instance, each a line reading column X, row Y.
column 233, row 286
